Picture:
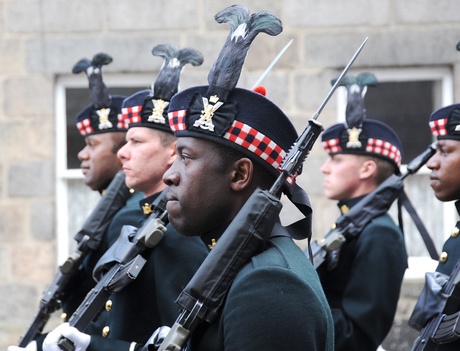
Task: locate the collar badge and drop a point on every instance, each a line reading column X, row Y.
column 147, row 209
column 344, row 209
column 213, row 243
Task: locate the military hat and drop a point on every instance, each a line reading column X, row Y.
column 149, row 107
column 237, row 118
column 445, row 122
column 361, row 136
column 104, row 113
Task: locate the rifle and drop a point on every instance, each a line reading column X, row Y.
column 249, row 230
column 444, row 327
column 374, row 204
column 88, row 238
column 122, row 264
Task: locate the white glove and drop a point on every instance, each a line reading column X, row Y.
column 157, row 338
column 31, row 346
column 79, row 339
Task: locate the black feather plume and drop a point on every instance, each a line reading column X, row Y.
column 99, row 93
column 356, row 90
column 244, row 27
column 167, row 83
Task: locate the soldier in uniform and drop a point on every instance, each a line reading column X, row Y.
column 445, row 182
column 101, row 124
column 104, row 131
column 231, row 141
column 147, row 302
column 362, row 279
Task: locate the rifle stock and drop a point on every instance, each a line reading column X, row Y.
column 88, row 238
column 376, row 203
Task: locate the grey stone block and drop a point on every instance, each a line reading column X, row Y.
column 426, row 11
column 30, row 95
column 55, row 16
column 12, row 59
column 18, row 303
column 309, row 13
column 33, row 178
column 42, row 220
column 150, row 15
column 12, row 224
column 35, row 263
column 399, row 47
column 311, row 88
column 130, row 53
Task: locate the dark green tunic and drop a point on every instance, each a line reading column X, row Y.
column 127, row 215
column 363, row 290
column 148, row 302
column 275, row 303
column 449, row 257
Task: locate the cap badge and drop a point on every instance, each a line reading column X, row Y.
column 104, row 122
column 159, row 106
column 211, row 106
column 353, row 137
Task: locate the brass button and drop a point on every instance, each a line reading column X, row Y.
column 334, row 226
column 63, row 317
column 108, row 305
column 455, row 232
column 105, row 331
column 443, row 257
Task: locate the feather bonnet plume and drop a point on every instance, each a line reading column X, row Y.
column 93, row 69
column 244, row 27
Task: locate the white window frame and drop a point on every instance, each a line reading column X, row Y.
column 444, row 77
column 63, row 174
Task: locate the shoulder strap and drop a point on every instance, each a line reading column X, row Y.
column 403, row 200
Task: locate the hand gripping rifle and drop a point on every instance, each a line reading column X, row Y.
column 205, row 293
column 376, row 203
column 444, row 327
column 122, row 263
column 88, row 238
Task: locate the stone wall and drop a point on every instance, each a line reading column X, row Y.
column 42, row 39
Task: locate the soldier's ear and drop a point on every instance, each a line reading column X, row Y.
column 368, row 169
column 241, row 174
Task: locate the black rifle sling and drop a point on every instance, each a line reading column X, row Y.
column 404, row 201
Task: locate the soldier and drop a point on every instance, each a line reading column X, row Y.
column 148, row 302
column 231, row 141
column 101, row 124
column 104, row 131
column 444, row 180
column 362, row 279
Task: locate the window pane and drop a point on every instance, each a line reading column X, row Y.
column 406, row 107
column 76, row 100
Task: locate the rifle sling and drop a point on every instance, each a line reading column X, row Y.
column 404, row 201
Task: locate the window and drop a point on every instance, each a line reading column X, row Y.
column 404, row 99
column 74, row 200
